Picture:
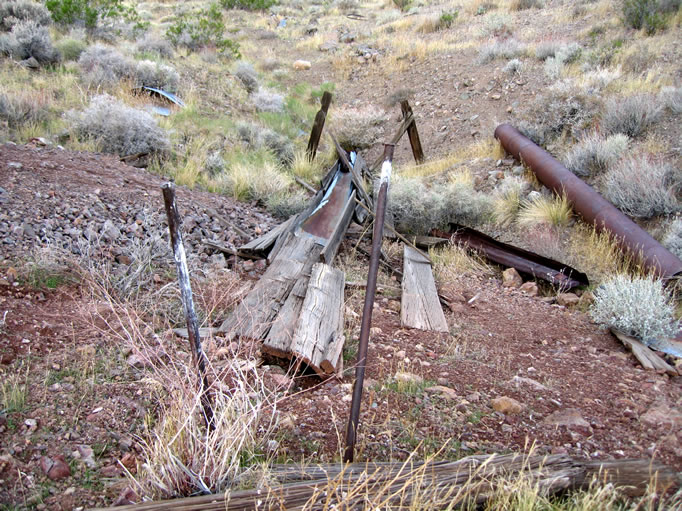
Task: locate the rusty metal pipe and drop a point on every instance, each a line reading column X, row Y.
column 589, row 204
column 375, row 255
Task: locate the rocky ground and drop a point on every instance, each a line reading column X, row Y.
column 516, row 370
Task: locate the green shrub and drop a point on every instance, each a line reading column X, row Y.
column 257, row 137
column 643, row 188
column 637, row 306
column 71, row 49
column 447, row 18
column 649, row 15
column 92, row 13
column 118, row 128
column 248, row 5
column 13, row 12
column 200, row 29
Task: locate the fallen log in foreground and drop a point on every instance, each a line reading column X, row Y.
column 469, row 481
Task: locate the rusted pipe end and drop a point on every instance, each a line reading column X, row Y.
column 388, row 152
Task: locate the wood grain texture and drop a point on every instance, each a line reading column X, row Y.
column 253, row 317
column 318, row 339
column 647, row 357
column 420, row 306
column 264, row 243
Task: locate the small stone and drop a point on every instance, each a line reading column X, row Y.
column 530, row 288
column 123, row 259
column 374, row 331
column 55, row 468
column 495, row 96
column 528, row 381
column 506, row 404
column 328, row 46
column 406, row 377
column 282, row 380
column 15, row 165
column 567, row 299
column 569, row 417
column 248, row 265
column 511, row 278
column 445, row 392
column 302, row 65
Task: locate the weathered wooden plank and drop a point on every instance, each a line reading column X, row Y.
column 648, row 358
column 389, row 222
column 465, row 483
column 279, row 338
column 318, row 339
column 420, row 307
column 263, row 243
column 254, row 315
column 203, row 332
column 357, row 180
column 329, row 252
column 318, row 125
column 412, row 132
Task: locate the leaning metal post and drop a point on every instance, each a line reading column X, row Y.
column 377, row 236
column 198, row 356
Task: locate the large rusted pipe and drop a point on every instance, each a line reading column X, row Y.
column 589, row 204
column 377, row 236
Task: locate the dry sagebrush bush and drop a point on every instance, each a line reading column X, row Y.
column 507, row 199
column 22, row 108
column 27, row 40
column 247, row 75
column 630, row 116
column 118, row 128
column 104, row 65
column 594, row 154
column 508, row 49
column 637, row 306
column 16, row 11
column 416, row 209
column 154, row 74
column 671, row 98
column 673, row 238
column 267, row 101
column 71, row 49
column 643, row 188
column 152, row 43
column 256, row 136
column 358, row 127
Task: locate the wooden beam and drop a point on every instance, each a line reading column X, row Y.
column 420, row 307
column 648, row 358
column 318, row 125
column 262, row 244
column 357, row 181
column 329, row 251
column 318, row 339
column 412, row 133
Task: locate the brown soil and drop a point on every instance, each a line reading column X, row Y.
column 83, row 395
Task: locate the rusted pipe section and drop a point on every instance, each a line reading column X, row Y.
column 198, row 355
column 377, row 236
column 589, row 204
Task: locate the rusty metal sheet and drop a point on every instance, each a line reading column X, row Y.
column 589, row 204
column 322, row 221
column 522, row 260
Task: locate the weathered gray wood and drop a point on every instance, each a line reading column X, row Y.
column 318, row 125
column 646, row 357
column 263, row 243
column 429, row 241
column 203, row 332
column 318, row 339
column 329, row 252
column 389, row 222
column 254, row 315
column 466, row 483
column 412, row 132
column 420, row 307
column 228, row 250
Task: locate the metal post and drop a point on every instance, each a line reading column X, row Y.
column 377, row 236
column 198, row 355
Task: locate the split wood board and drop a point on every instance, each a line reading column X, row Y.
column 318, row 339
column 648, row 358
column 253, row 317
column 420, row 307
column 264, row 243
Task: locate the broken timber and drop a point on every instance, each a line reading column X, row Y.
column 467, row 483
column 296, row 306
column 647, row 357
column 420, row 307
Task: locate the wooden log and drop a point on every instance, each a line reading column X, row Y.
column 318, row 339
column 648, row 358
column 203, row 332
column 318, row 125
column 227, row 224
column 357, row 181
column 329, row 252
column 230, row 251
column 412, row 132
column 254, row 315
column 305, row 184
column 279, row 339
column 467, row 483
column 420, row 307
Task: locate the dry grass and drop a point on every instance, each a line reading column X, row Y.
column 453, row 261
column 553, row 211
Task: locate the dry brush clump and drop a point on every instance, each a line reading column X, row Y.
column 642, row 187
column 247, row 75
column 358, row 127
column 20, row 108
column 153, row 44
column 638, row 306
column 595, row 154
column 13, row 12
column 631, row 115
column 502, row 48
column 154, row 74
column 671, row 98
column 118, row 129
column 256, row 137
column 673, row 238
column 29, row 39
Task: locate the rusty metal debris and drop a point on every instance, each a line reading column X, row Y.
column 377, row 237
column 589, row 204
column 526, row 262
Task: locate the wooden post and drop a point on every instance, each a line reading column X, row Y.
column 198, row 356
column 412, row 132
column 316, row 132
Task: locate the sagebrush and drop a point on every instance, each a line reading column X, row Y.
column 595, row 154
column 118, row 128
column 638, row 306
column 631, row 115
column 29, row 39
column 16, row 11
column 673, row 238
